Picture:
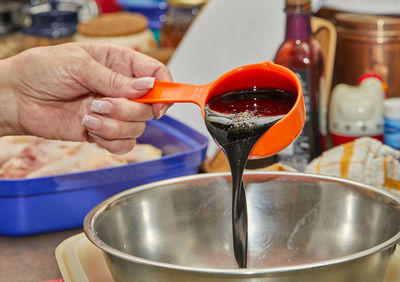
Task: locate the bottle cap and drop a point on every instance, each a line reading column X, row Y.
column 114, row 24
column 391, row 107
column 298, row 6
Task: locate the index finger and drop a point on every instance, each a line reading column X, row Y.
column 127, row 61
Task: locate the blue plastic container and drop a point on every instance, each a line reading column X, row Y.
column 154, row 10
column 37, row 205
column 391, row 122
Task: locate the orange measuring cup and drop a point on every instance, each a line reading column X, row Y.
column 263, row 75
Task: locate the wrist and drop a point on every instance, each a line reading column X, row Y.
column 8, row 100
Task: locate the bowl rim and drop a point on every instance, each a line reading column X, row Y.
column 94, row 213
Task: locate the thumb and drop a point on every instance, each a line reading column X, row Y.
column 105, row 81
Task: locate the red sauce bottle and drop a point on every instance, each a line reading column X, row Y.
column 301, row 53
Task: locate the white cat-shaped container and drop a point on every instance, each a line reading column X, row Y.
column 357, row 111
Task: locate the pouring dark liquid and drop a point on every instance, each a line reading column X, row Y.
column 236, row 120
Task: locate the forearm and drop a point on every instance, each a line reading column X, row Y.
column 8, row 104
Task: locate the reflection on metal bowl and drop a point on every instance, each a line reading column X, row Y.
column 301, row 228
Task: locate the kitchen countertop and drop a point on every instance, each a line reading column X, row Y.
column 31, row 258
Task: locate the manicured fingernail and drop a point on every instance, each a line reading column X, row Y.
column 92, row 123
column 101, row 107
column 143, row 83
column 94, row 136
column 162, row 111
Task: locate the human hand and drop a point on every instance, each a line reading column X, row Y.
column 79, row 92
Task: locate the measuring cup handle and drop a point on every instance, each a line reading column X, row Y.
column 172, row 92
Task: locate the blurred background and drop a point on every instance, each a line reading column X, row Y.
column 149, row 26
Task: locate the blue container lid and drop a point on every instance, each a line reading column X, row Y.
column 52, row 20
column 150, row 4
column 154, row 10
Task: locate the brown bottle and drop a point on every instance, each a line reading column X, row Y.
column 301, row 53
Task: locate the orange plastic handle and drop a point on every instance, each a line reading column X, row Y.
column 173, row 92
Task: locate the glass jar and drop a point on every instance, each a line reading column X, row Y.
column 367, row 43
column 179, row 16
column 50, row 24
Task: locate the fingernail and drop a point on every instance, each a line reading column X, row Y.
column 143, row 83
column 91, row 122
column 101, row 107
column 162, row 111
column 94, row 136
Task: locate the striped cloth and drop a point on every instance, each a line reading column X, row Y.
column 365, row 160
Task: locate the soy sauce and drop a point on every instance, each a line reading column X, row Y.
column 236, row 120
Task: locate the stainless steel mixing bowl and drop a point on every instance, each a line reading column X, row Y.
column 302, row 228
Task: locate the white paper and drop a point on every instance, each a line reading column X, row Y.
column 225, row 35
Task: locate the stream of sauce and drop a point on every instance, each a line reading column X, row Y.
column 236, row 120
